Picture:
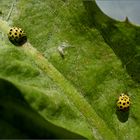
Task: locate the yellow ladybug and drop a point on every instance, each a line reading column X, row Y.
column 123, row 102
column 17, row 36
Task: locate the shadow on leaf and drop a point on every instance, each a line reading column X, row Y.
column 19, row 115
column 122, row 116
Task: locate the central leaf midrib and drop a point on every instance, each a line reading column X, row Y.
column 73, row 95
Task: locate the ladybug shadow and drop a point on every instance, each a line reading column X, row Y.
column 122, row 115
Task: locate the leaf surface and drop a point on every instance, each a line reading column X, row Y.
column 76, row 95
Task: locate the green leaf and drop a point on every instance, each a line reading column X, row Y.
column 46, row 93
column 16, row 111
